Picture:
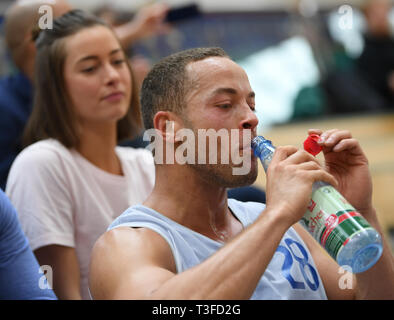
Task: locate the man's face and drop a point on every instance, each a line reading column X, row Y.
column 220, row 98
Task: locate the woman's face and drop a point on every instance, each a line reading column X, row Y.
column 97, row 78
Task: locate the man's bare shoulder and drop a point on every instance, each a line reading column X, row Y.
column 127, row 242
column 125, row 253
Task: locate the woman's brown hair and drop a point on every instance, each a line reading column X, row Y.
column 52, row 116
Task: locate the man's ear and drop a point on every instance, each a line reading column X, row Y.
column 167, row 123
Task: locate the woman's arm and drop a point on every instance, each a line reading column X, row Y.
column 64, row 263
column 147, row 22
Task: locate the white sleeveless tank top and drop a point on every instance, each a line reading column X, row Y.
column 291, row 274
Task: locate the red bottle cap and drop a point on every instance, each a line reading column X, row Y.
column 311, row 145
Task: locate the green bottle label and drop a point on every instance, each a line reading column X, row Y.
column 332, row 220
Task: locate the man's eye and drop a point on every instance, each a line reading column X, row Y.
column 224, row 106
column 89, row 70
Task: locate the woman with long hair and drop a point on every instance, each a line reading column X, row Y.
column 72, row 180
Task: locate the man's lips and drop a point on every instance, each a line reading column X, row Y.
column 248, row 146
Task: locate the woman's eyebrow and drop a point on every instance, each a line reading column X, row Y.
column 94, row 57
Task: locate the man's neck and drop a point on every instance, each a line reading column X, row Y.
column 181, row 195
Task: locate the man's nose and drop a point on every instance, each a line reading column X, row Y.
column 249, row 119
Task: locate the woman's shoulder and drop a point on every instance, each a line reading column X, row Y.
column 44, row 149
column 137, row 163
column 135, row 154
column 45, row 153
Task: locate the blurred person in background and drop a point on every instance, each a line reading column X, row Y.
column 16, row 91
column 72, row 180
column 342, row 86
column 148, row 21
column 20, row 275
column 377, row 59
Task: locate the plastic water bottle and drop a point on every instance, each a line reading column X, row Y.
column 333, row 221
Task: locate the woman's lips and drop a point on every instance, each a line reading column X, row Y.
column 115, row 96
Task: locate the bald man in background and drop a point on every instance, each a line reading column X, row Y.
column 16, row 91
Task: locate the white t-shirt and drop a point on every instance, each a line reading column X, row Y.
column 63, row 199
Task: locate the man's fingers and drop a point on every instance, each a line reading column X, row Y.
column 331, row 137
column 321, row 175
column 299, row 157
column 346, row 144
column 283, row 152
column 315, row 131
column 310, row 165
column 290, row 155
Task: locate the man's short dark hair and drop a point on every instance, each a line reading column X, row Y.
column 166, row 85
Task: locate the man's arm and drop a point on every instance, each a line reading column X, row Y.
column 329, row 270
column 148, row 21
column 138, row 263
column 377, row 282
